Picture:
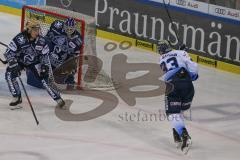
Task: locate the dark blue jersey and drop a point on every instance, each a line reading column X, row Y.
column 61, row 42
column 62, row 46
column 27, row 52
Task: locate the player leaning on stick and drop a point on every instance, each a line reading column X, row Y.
column 180, row 71
column 28, row 50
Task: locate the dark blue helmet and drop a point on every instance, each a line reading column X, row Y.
column 163, row 46
column 70, row 22
column 70, row 26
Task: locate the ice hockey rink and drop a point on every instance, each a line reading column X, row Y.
column 213, row 122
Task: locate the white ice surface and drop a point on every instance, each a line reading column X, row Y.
column 214, row 124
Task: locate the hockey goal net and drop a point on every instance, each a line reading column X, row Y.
column 90, row 77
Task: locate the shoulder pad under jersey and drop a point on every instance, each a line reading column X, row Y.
column 20, row 39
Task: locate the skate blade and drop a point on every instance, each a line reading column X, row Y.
column 16, row 108
column 178, row 144
column 62, row 107
column 186, row 149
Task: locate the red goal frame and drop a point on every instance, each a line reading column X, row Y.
column 79, row 76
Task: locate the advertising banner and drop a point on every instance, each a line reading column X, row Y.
column 81, row 6
column 192, row 5
column 205, row 36
column 224, row 12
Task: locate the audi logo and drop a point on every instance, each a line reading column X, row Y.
column 181, row 2
column 220, row 11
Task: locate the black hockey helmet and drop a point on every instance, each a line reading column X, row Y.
column 163, row 46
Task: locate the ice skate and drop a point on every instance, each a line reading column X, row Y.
column 186, row 141
column 61, row 103
column 177, row 139
column 15, row 101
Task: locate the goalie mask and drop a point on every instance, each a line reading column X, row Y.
column 163, row 47
column 70, row 26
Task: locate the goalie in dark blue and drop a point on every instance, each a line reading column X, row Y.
column 29, row 50
column 179, row 71
column 66, row 43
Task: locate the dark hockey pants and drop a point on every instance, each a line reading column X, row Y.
column 15, row 89
column 181, row 97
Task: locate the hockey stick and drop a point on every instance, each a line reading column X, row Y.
column 3, row 44
column 182, row 46
column 4, row 62
column 29, row 102
column 170, row 19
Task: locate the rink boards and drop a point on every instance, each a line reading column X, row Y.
column 152, row 47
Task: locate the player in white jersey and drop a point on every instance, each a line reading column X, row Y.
column 180, row 71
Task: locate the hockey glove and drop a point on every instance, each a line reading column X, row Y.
column 194, row 76
column 14, row 68
column 183, row 47
column 44, row 71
